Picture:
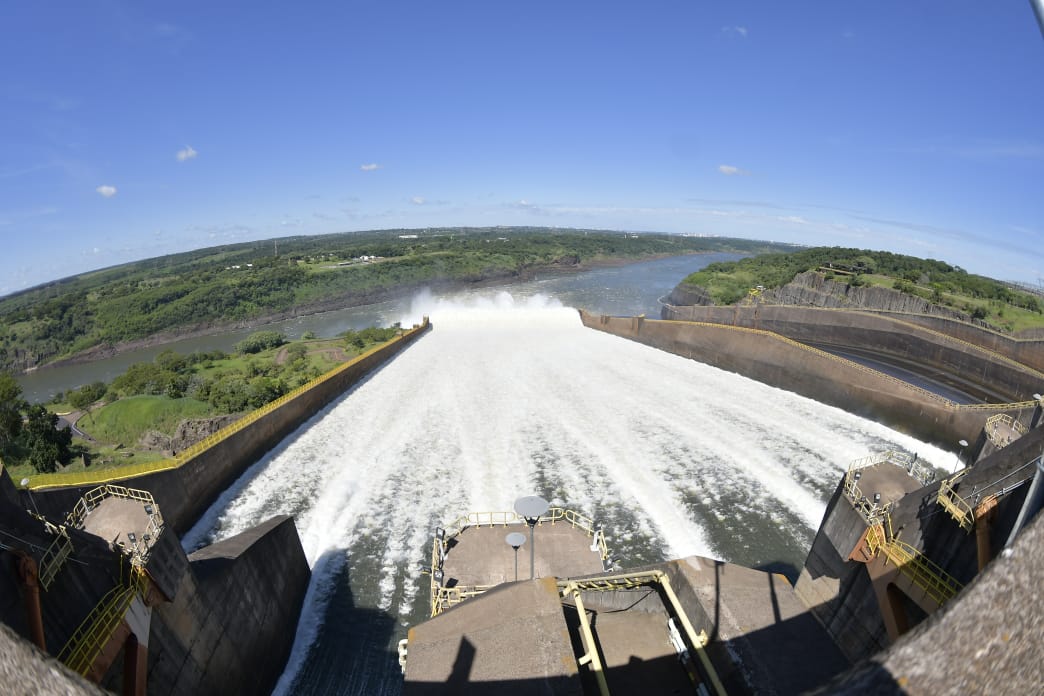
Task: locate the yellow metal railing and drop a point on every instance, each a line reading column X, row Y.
column 86, row 478
column 935, row 582
column 444, row 597
column 959, row 508
column 90, row 638
column 55, row 556
column 572, row 589
column 1002, row 421
column 140, row 547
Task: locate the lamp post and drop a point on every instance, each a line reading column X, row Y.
column 963, row 444
column 515, row 540
column 530, row 508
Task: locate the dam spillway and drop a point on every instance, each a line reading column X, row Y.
column 671, row 456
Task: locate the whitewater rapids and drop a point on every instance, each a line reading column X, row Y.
column 503, row 399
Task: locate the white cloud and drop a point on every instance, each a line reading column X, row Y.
column 186, row 154
column 729, row 170
column 106, row 191
column 417, row 200
column 735, row 31
column 369, row 167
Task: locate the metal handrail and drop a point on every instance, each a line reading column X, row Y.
column 91, row 636
column 918, row 568
column 54, row 557
column 959, row 508
column 140, row 547
column 441, row 598
column 998, row 420
column 699, row 641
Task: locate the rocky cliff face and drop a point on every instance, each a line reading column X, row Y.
column 812, row 289
column 684, row 295
column 188, row 433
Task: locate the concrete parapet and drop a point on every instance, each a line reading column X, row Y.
column 787, row 364
column 1012, row 367
column 507, row 641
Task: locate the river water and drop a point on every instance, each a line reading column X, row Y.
column 629, row 290
column 510, row 395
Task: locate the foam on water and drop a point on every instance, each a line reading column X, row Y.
column 502, row 399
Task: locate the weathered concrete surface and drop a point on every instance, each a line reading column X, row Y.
column 775, row 360
column 231, row 624
column 764, row 640
column 1010, row 368
column 186, row 492
column 481, row 556
column 511, row 640
column 114, row 518
column 26, row 670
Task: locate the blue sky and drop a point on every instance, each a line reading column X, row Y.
column 135, row 129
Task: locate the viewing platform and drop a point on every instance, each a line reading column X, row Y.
column 472, row 554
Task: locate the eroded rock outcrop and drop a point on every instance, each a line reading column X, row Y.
column 188, row 433
column 812, row 289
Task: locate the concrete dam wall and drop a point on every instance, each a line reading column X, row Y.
column 782, row 362
column 1010, row 367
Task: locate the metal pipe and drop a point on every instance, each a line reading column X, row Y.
column 29, row 574
column 589, row 642
column 697, row 644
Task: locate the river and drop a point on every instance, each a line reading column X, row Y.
column 510, row 395
column 629, row 289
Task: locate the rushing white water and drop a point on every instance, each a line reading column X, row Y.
column 500, row 400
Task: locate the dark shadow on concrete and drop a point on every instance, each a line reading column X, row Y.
column 784, row 568
column 462, row 665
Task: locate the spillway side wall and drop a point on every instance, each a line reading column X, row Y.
column 231, row 624
column 982, row 357
column 184, row 493
column 1028, row 351
column 768, row 358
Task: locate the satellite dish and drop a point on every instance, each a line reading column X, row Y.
column 515, row 539
column 531, row 507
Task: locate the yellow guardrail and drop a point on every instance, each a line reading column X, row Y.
column 959, row 508
column 86, row 478
column 444, row 597
column 935, row 582
column 573, row 588
column 952, row 405
column 55, row 556
column 140, row 547
column 90, row 638
column 1000, row 421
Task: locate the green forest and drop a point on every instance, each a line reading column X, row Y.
column 983, row 298
column 155, row 396
column 222, row 285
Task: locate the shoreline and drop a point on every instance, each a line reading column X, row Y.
column 104, row 351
